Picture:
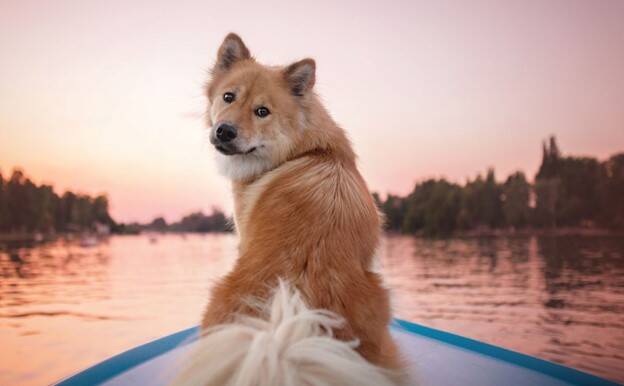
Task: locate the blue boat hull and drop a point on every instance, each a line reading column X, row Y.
column 436, row 358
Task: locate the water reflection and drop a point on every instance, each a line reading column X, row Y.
column 64, row 305
column 558, row 298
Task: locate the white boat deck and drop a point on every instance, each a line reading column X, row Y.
column 435, row 358
column 432, row 363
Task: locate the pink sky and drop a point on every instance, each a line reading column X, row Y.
column 106, row 96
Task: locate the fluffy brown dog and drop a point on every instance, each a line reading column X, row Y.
column 302, row 210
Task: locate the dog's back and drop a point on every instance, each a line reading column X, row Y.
column 312, row 222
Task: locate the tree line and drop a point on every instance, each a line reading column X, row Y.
column 26, row 207
column 196, row 222
column 567, row 192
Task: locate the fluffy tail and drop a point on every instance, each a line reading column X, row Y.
column 292, row 346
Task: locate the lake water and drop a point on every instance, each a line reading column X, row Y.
column 64, row 307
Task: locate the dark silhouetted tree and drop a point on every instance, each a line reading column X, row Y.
column 4, row 208
column 567, row 189
column 612, row 193
column 482, row 204
column 550, row 159
column 26, row 207
column 159, row 224
column 516, row 196
column 394, row 210
column 432, row 208
column 199, row 222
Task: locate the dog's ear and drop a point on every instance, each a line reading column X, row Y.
column 300, row 76
column 231, row 51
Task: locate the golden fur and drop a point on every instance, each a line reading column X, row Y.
column 302, row 210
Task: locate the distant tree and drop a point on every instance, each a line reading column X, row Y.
column 19, row 202
column 567, row 188
column 84, row 212
column 394, row 211
column 547, row 192
column 580, row 179
column 199, row 222
column 100, row 210
column 550, row 159
column 432, row 208
column 547, row 185
column 45, row 203
column 158, row 224
column 482, row 203
column 27, row 207
column 415, row 206
column 3, row 205
column 492, row 201
column 612, row 193
column 69, row 214
column 516, row 195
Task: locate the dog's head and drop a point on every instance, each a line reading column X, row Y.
column 257, row 113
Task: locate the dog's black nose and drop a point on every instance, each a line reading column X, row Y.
column 226, row 132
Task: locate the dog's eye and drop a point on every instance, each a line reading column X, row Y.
column 262, row 112
column 229, row 97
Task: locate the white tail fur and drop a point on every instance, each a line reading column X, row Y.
column 292, row 346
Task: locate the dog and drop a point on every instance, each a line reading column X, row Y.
column 301, row 305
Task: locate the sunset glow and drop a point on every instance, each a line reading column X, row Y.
column 107, row 96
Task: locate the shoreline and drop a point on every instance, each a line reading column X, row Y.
column 525, row 232
column 572, row 231
column 14, row 237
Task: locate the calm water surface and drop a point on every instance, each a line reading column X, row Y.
column 64, row 307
